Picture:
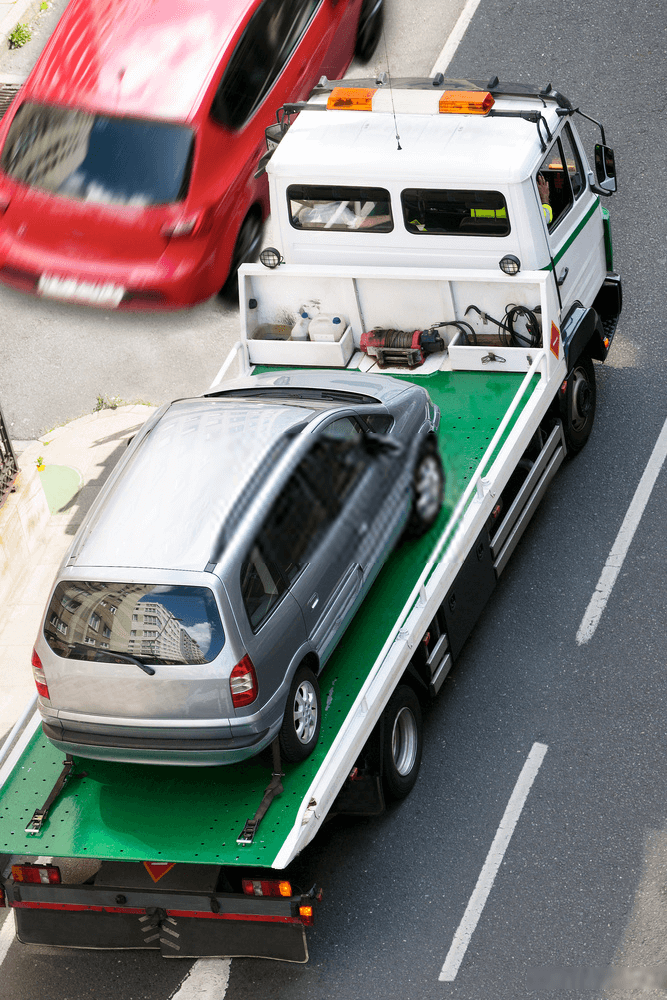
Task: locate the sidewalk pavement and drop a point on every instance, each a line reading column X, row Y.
column 37, row 525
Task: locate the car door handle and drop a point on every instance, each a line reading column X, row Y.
column 563, row 275
column 313, row 601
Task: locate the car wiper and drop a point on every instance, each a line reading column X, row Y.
column 128, row 658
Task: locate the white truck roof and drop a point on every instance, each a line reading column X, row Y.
column 478, row 150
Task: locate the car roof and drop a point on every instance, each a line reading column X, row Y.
column 151, row 58
column 166, row 508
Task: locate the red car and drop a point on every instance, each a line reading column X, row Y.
column 127, row 160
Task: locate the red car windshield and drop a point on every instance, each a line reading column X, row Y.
column 97, row 158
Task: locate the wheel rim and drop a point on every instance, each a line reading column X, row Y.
column 582, row 399
column 428, row 488
column 404, row 741
column 304, row 712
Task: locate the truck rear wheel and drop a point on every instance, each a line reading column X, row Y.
column 580, row 398
column 402, row 743
column 300, row 730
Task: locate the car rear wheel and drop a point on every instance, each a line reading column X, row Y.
column 245, row 250
column 427, row 486
column 369, row 30
column 402, row 744
column 301, row 724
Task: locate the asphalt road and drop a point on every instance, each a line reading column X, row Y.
column 582, row 884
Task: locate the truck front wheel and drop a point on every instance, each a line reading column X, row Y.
column 402, row 743
column 579, row 405
column 301, row 724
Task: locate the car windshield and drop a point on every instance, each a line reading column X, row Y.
column 98, row 158
column 155, row 624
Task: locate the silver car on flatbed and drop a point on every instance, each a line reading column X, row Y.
column 222, row 562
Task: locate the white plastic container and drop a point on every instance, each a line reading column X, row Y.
column 328, row 327
column 301, row 327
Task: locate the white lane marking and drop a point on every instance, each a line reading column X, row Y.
column 6, row 936
column 208, row 980
column 458, row 31
column 614, row 562
column 493, row 861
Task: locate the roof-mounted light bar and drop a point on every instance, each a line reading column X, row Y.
column 447, row 102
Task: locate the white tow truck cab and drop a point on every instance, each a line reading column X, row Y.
column 446, row 174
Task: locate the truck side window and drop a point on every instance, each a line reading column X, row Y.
column 561, row 169
column 339, row 209
column 268, row 41
column 455, row 213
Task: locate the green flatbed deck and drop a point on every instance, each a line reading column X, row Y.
column 194, row 814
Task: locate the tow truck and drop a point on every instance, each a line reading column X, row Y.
column 445, row 232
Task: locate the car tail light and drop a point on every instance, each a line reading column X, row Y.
column 44, row 874
column 243, row 683
column 196, row 224
column 266, row 887
column 38, row 674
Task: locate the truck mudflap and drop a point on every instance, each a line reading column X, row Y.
column 189, row 935
column 187, row 916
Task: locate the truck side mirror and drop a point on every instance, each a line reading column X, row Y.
column 605, row 169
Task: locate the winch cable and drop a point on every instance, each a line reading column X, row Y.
column 509, row 335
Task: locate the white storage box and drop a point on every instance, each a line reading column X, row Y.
column 273, row 347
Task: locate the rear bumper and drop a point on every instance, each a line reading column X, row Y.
column 183, row 749
column 179, row 925
column 181, row 276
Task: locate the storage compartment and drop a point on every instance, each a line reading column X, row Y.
column 270, row 344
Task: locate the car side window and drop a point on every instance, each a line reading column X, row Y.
column 268, row 41
column 309, row 503
column 262, row 586
column 573, row 162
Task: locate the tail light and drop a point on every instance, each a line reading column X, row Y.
column 44, row 874
column 196, row 224
column 38, row 674
column 306, row 915
column 266, row 887
column 243, row 683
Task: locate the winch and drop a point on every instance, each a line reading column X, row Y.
column 400, row 348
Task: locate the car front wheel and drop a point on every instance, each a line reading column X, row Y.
column 369, row 31
column 303, row 713
column 246, row 249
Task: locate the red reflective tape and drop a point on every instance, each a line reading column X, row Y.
column 204, row 914
column 77, row 907
column 554, row 343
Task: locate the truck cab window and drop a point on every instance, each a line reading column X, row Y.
column 562, row 171
column 339, row 209
column 455, row 213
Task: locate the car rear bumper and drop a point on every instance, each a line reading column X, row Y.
column 114, row 744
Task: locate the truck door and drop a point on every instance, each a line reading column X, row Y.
column 574, row 231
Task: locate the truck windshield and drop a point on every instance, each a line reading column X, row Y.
column 97, row 158
column 155, row 624
column 455, row 213
column 339, row 209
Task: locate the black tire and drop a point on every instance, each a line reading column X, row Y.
column 402, row 743
column 300, row 730
column 579, row 405
column 369, row 30
column 428, row 484
column 246, row 250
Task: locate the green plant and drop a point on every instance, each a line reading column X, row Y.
column 40, row 462
column 108, row 403
column 19, row 36
column 43, row 5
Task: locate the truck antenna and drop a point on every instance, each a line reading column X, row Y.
column 391, row 92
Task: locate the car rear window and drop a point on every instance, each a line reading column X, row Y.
column 455, row 213
column 339, row 209
column 98, row 158
column 155, row 624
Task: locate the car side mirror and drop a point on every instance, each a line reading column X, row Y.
column 605, row 170
column 381, row 444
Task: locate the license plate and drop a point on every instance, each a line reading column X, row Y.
column 90, row 292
